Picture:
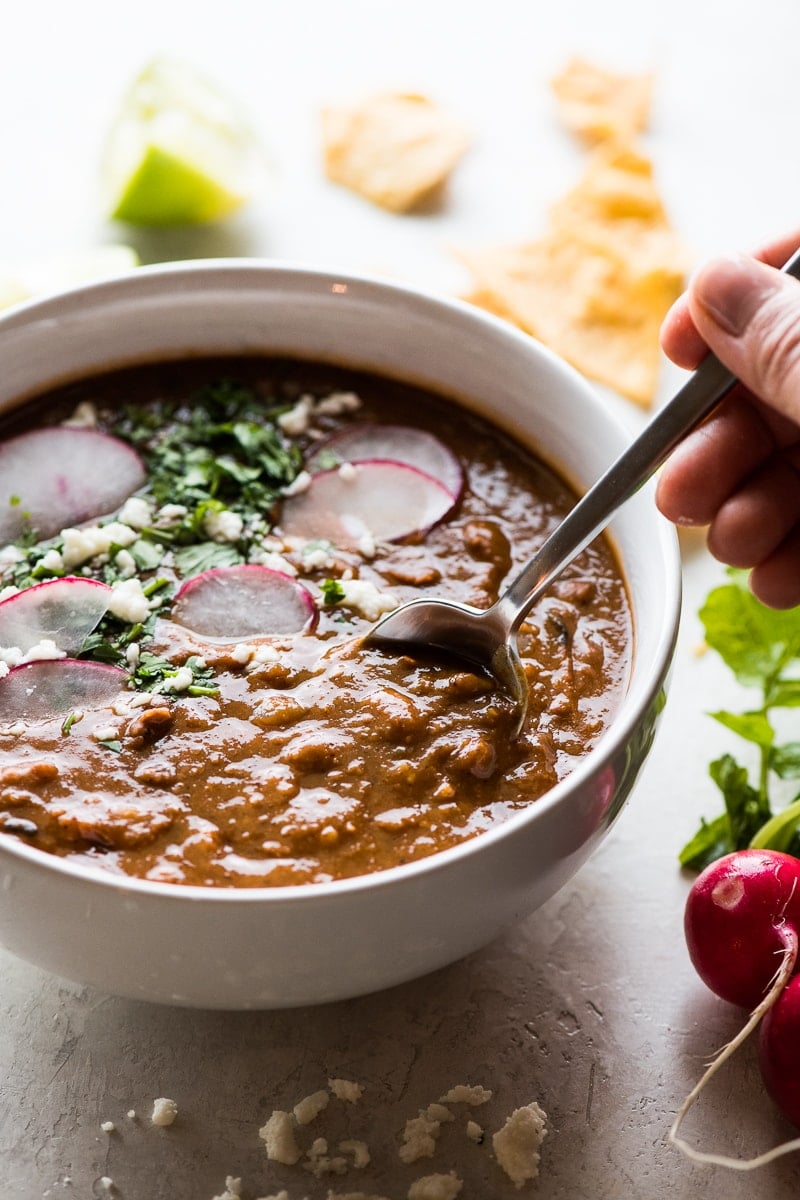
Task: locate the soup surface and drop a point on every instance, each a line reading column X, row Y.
column 251, row 739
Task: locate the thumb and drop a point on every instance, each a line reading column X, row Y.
column 749, row 315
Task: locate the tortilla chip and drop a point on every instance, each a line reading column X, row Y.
column 394, row 149
column 598, row 105
column 597, row 286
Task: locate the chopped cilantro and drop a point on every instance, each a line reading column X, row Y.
column 332, row 591
column 202, row 556
column 111, row 744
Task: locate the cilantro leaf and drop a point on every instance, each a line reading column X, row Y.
column 332, row 591
column 756, row 642
column 193, row 560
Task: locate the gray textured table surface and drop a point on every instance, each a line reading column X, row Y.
column 590, row 1005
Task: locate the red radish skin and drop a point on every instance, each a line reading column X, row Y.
column 63, row 610
column 398, row 443
column 55, row 477
column 742, row 912
column 40, row 691
column 742, row 919
column 383, row 499
column 779, row 1051
column 231, row 603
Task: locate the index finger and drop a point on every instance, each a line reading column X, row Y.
column 680, row 340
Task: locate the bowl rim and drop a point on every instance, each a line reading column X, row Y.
column 609, row 743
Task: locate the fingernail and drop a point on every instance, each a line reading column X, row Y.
column 731, row 290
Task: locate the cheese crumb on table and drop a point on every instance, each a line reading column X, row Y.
column 306, row 1110
column 436, row 1187
column 233, row 1189
column 516, row 1145
column 419, row 1138
column 107, row 1126
column 346, row 1089
column 359, row 1151
column 320, row 1163
column 475, row 1132
column 164, row 1111
column 464, row 1093
column 278, row 1137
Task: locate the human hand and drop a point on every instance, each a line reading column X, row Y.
column 739, row 472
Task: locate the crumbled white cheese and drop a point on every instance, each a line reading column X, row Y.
column 347, row 471
column 131, row 1114
column 105, row 733
column 241, row 653
column 132, row 655
column 170, row 514
column 337, row 403
column 436, row 1187
column 126, row 564
column 180, row 681
column 320, row 1163
column 233, row 1189
column 10, row 656
column 307, row 1109
column 464, row 1093
column 52, row 561
column 419, row 1138
column 278, row 1136
column 359, row 1151
column 44, row 651
column 474, row 1132
column 300, row 483
column 366, row 545
column 128, row 602
column 318, row 553
column 262, row 656
column 363, row 596
column 223, row 526
column 10, row 554
column 136, row 512
column 107, row 1126
column 79, row 545
column 84, row 416
column 268, row 558
column 438, row 1112
column 106, row 1182
column 283, row 1195
column 516, row 1145
column 297, row 419
column 4, row 669
column 346, row 1089
column 7, row 592
column 164, row 1111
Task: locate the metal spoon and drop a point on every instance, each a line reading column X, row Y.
column 488, row 637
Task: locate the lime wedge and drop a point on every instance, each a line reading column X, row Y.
column 178, row 153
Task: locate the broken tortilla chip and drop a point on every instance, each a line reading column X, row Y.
column 394, row 149
column 598, row 105
column 597, row 286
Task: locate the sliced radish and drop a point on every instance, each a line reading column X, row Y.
column 230, row 603
column 40, row 691
column 55, row 477
column 399, row 443
column 63, row 610
column 378, row 498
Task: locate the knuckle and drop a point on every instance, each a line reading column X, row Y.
column 778, row 363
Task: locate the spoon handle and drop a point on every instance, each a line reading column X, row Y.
column 701, row 393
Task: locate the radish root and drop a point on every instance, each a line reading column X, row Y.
column 779, row 982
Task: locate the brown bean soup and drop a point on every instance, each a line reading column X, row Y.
column 237, row 757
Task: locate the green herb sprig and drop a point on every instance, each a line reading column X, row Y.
column 761, row 646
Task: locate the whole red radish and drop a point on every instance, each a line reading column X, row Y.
column 779, row 1051
column 742, row 915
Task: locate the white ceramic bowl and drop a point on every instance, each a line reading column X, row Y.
column 269, row 948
